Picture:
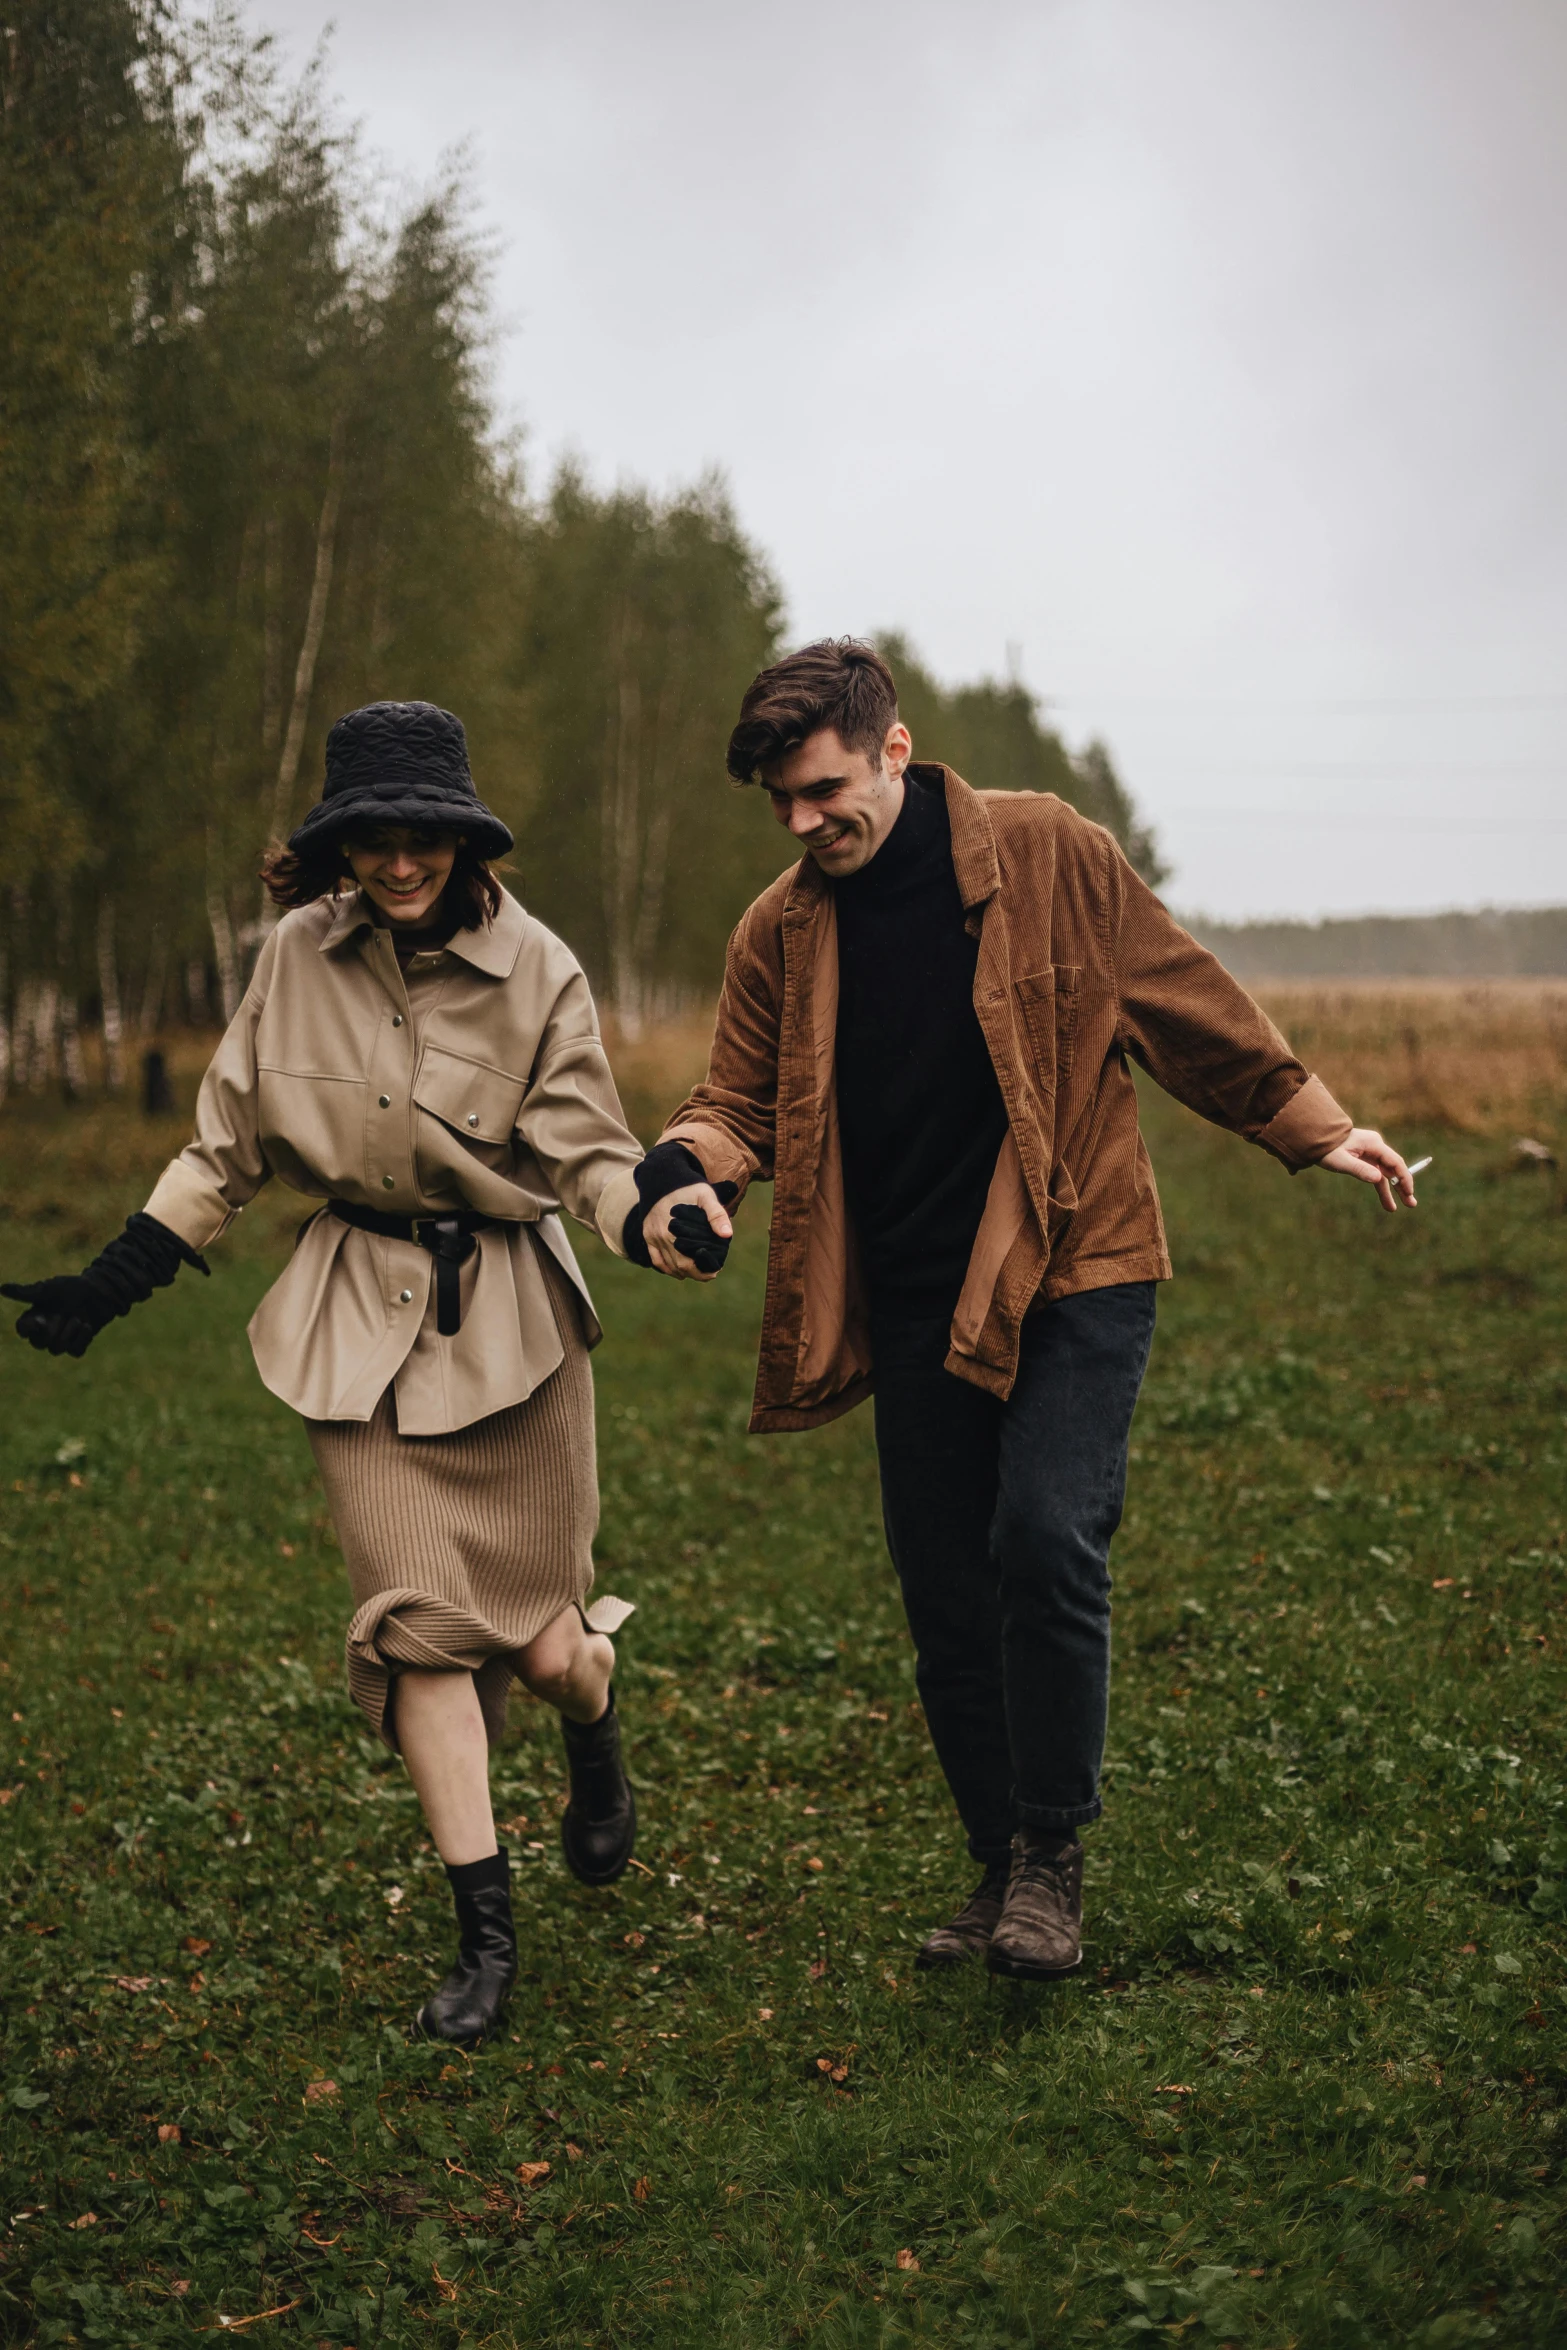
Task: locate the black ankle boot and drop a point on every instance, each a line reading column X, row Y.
column 598, row 1832
column 469, row 2002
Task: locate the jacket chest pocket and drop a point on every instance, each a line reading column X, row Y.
column 1050, row 1001
column 474, row 1099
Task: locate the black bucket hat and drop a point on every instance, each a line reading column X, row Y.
column 400, row 763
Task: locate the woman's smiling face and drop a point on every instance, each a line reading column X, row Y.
column 402, row 871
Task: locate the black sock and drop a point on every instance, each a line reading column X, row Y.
column 1055, row 1841
column 476, row 1876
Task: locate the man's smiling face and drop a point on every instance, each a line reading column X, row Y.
column 839, row 804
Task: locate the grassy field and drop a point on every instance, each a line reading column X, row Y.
column 1307, row 2090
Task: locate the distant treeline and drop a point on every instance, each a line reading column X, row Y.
column 250, row 478
column 1526, row 944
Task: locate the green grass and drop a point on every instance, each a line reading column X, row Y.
column 1307, row 2089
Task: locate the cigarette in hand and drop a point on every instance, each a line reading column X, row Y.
column 1420, row 1166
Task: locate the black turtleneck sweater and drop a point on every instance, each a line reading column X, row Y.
column 919, row 1108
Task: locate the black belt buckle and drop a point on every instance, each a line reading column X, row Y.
column 451, row 1247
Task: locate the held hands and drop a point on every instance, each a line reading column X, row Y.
column 688, row 1234
column 1367, row 1156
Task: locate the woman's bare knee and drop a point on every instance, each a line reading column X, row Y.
column 550, row 1662
column 566, row 1664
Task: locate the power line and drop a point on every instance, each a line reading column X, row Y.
column 1355, row 820
column 1340, row 705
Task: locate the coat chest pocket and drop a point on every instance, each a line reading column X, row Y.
column 1050, row 1001
column 477, row 1101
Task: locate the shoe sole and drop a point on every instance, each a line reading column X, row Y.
column 603, row 1876
column 1020, row 1969
column 943, row 1962
column 422, row 2031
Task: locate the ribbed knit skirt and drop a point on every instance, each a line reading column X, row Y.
column 462, row 1548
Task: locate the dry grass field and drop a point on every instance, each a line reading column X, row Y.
column 1474, row 1056
column 1482, row 1057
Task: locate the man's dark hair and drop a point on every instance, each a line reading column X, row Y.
column 837, row 682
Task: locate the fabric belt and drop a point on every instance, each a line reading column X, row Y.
column 449, row 1239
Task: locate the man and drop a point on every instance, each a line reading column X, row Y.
column 923, row 1040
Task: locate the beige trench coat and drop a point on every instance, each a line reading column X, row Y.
column 474, row 1080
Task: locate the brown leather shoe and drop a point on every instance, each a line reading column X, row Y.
column 1041, row 1929
column 968, row 1934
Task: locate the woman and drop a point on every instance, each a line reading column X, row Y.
column 421, row 1053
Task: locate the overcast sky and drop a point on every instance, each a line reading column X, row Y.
column 1205, row 358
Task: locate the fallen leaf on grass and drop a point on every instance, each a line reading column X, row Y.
column 530, row 2173
column 133, row 1982
column 642, row 2190
column 196, row 1946
column 816, row 1864
column 320, row 2092
column 1418, row 2180
column 816, row 1969
column 906, row 2260
column 764, row 2015
column 443, row 2285
column 168, row 2133
column 179, row 2286
column 573, row 2150
column 89, row 2219
column 1174, row 2089
column 1441, row 1582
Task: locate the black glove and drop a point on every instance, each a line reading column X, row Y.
column 695, row 1238
column 65, row 1313
column 668, row 1167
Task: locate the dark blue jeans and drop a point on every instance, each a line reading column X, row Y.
column 999, row 1518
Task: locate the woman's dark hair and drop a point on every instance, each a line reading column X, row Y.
column 472, row 893
column 837, row 682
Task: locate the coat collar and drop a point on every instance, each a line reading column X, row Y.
column 974, row 858
column 492, row 950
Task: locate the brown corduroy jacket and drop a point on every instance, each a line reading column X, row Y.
column 1081, row 971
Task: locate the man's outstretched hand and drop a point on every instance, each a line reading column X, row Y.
column 1367, row 1156
column 662, row 1229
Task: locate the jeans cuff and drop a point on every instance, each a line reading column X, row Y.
column 990, row 1856
column 1058, row 1815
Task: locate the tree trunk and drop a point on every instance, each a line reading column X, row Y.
column 619, row 812
column 73, row 1074
column 196, row 1004
column 653, row 866
column 73, row 1070
column 271, row 636
column 109, row 994
column 309, row 650
column 39, row 1014
column 151, row 1018
column 223, row 944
